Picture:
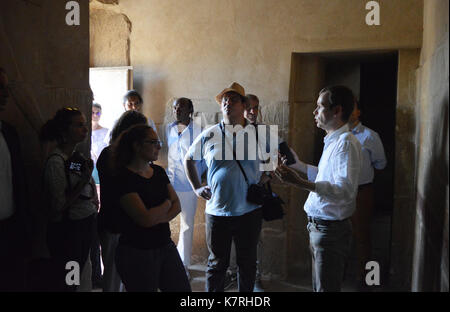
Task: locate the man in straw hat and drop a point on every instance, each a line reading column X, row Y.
column 229, row 216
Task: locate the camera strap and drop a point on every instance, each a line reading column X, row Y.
column 222, row 127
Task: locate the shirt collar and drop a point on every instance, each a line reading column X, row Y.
column 173, row 124
column 335, row 134
column 246, row 123
column 358, row 128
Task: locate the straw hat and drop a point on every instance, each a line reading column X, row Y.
column 235, row 87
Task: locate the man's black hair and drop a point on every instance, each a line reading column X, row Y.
column 131, row 93
column 340, row 96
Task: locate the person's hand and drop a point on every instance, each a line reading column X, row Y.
column 204, row 192
column 283, row 158
column 264, row 179
column 297, row 161
column 287, row 175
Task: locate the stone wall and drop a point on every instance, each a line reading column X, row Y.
column 430, row 265
column 47, row 62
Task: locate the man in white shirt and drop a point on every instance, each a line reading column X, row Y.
column 333, row 186
column 180, row 134
column 373, row 157
column 132, row 100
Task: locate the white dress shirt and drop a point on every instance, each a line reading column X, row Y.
column 6, row 187
column 178, row 145
column 336, row 177
column 372, row 152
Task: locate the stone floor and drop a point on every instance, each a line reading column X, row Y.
column 381, row 229
column 381, row 240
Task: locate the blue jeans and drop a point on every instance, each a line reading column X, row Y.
column 151, row 269
column 220, row 232
column 330, row 247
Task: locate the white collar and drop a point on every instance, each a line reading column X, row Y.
column 335, row 134
column 358, row 128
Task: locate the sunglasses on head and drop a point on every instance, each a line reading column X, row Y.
column 71, row 108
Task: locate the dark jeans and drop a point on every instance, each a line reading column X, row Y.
column 12, row 260
column 95, row 257
column 330, row 248
column 220, row 232
column 69, row 240
column 151, row 269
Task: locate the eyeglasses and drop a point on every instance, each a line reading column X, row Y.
column 154, row 142
column 71, row 108
column 96, row 113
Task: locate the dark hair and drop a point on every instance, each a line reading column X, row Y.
column 128, row 119
column 2, row 70
column 131, row 93
column 123, row 147
column 340, row 96
column 253, row 97
column 186, row 101
column 96, row 105
column 54, row 129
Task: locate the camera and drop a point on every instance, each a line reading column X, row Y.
column 257, row 194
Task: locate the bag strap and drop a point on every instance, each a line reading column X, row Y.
column 234, row 154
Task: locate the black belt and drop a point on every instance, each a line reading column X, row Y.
column 324, row 222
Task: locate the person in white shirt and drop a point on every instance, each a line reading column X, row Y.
column 180, row 134
column 333, row 186
column 373, row 157
column 132, row 100
column 98, row 143
column 98, row 134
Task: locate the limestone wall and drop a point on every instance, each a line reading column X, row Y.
column 430, row 265
column 47, row 62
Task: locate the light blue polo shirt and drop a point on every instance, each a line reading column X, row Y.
column 228, row 186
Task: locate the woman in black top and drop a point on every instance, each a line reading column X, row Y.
column 107, row 222
column 146, row 257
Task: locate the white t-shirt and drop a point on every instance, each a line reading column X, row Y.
column 98, row 142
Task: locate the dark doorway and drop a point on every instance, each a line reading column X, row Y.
column 373, row 79
column 378, row 92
